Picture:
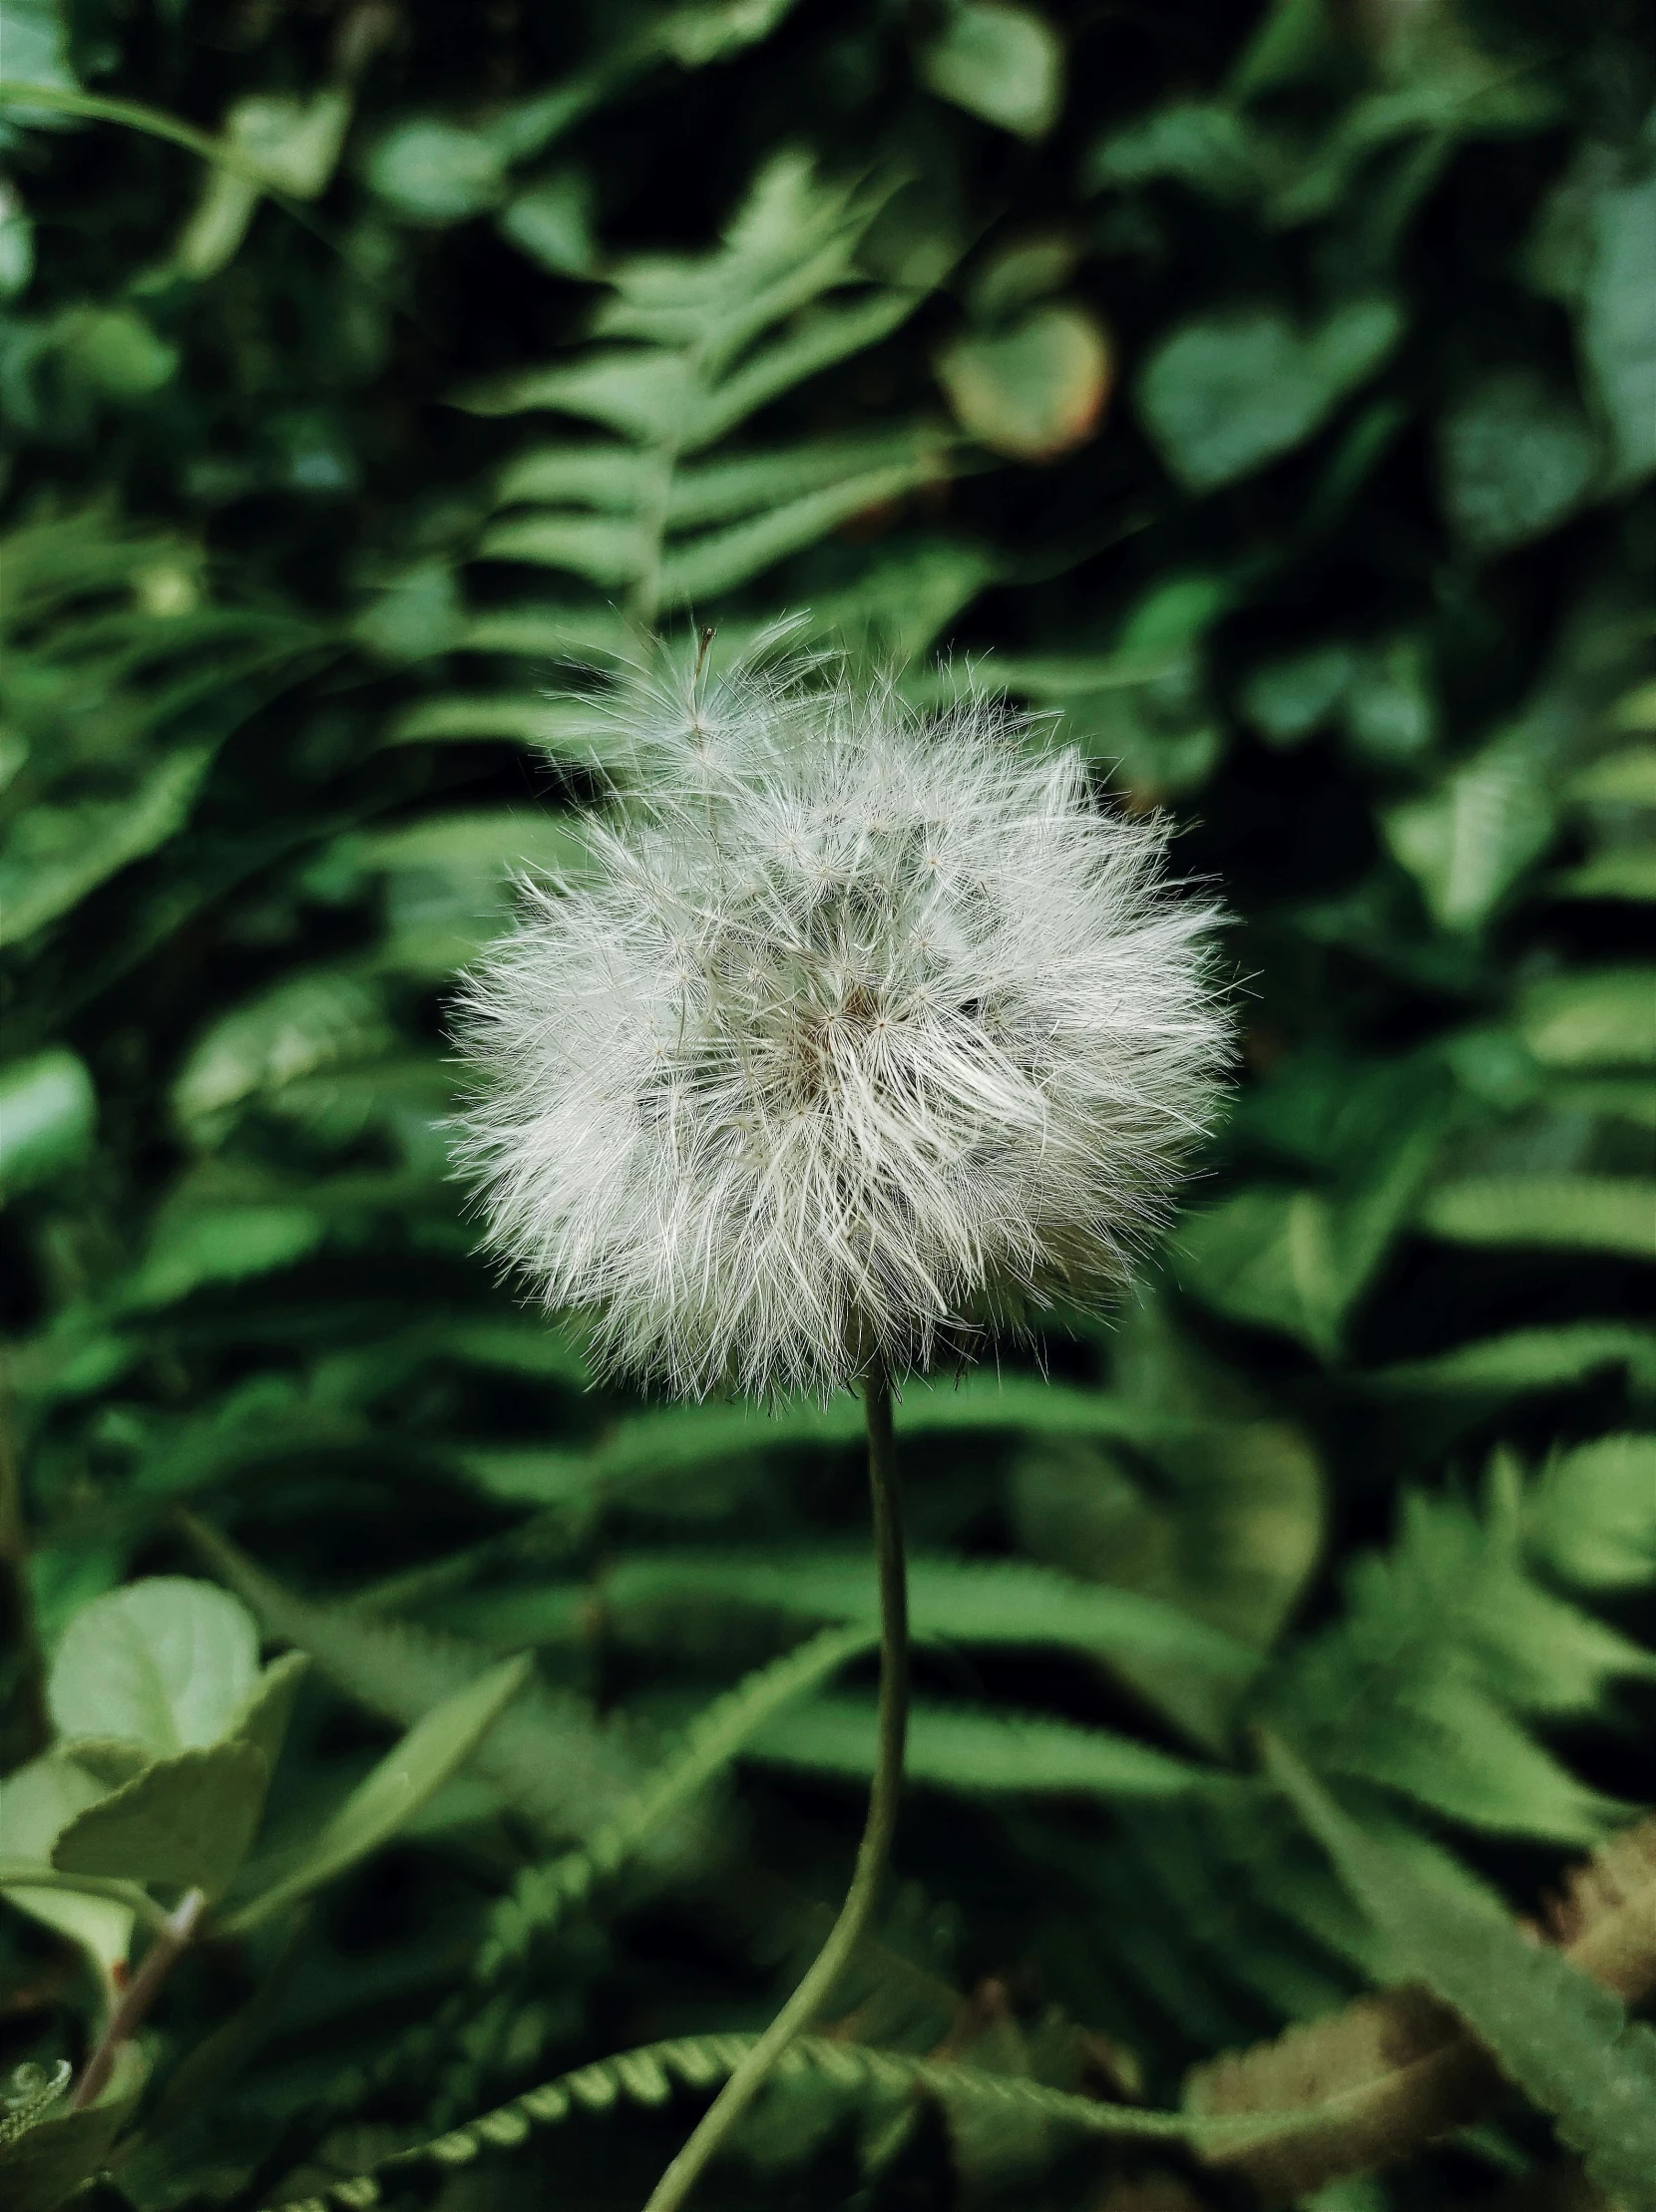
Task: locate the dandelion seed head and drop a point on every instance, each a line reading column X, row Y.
column 865, row 1030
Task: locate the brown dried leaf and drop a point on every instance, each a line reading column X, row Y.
column 1395, row 2070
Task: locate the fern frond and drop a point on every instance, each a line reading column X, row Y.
column 1447, row 1648
column 547, row 1754
column 1397, row 2069
column 542, row 1895
column 1192, row 1671
column 652, row 2075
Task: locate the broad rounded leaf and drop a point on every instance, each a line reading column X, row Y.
column 48, row 1111
column 1515, row 457
column 1223, row 396
column 433, row 172
column 1004, row 64
column 37, row 1804
column 169, row 1663
column 1035, row 391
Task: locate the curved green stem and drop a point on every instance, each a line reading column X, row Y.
column 856, row 1913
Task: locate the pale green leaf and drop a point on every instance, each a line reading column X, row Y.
column 1202, row 145
column 1619, row 872
column 1000, row 62
column 403, row 1781
column 37, row 1803
column 547, row 1753
column 1469, row 842
column 47, row 1114
column 823, row 337
column 718, row 560
column 1604, row 1017
column 434, row 171
column 1531, row 1359
column 613, row 478
column 306, row 1025
column 639, row 393
column 589, row 545
column 195, row 1245
column 167, row 1663
column 759, row 483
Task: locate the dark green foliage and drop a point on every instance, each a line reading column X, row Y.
column 1270, row 394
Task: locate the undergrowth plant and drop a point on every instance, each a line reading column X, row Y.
column 1265, row 396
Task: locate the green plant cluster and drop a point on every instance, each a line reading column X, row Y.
column 1268, row 396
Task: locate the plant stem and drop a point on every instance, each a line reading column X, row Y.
column 856, row 1913
column 140, row 1994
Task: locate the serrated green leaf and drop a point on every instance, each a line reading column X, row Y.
column 1468, row 843
column 54, row 856
column 718, row 560
column 1591, row 1213
column 1531, row 1359
column 1192, row 1671
column 167, row 1663
column 1592, row 1516
column 603, row 550
column 547, row 1753
column 403, row 1781
column 1424, row 1684
column 189, row 1820
column 974, row 1750
column 1563, row 2039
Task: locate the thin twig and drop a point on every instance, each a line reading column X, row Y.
column 140, row 1994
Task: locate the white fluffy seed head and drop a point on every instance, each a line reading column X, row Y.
column 863, row 1031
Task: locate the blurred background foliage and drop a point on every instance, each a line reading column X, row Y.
column 1271, row 395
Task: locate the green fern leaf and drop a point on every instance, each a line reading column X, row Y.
column 1593, row 1213
column 1192, row 1671
column 1447, row 1644
column 1564, row 2040
column 652, row 2075
column 546, row 1755
column 978, row 1752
